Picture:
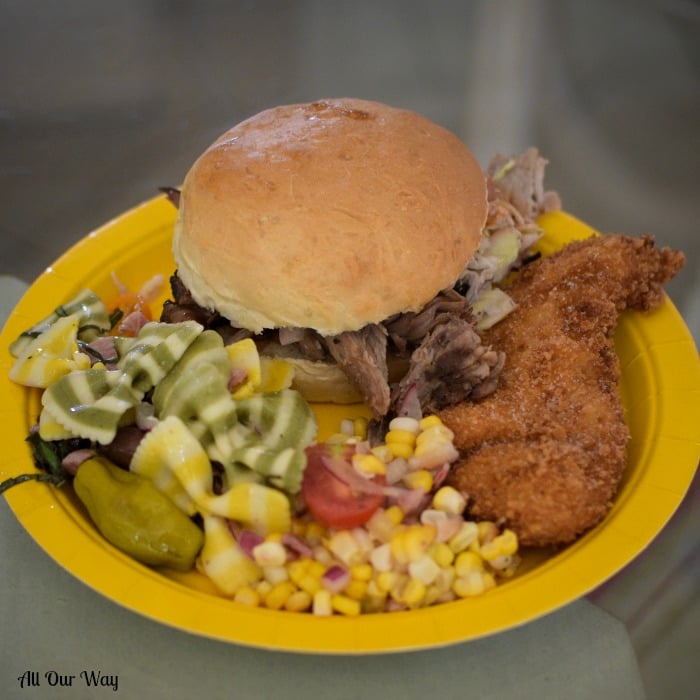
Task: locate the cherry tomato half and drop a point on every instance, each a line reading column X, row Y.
column 331, row 500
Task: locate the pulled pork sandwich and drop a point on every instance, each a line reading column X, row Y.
column 359, row 242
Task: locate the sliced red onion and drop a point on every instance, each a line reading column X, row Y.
column 121, row 287
column 335, row 579
column 412, row 500
column 363, row 448
column 287, row 336
column 347, row 427
column 297, row 545
column 249, row 540
column 446, row 526
column 407, row 499
column 410, row 404
column 396, row 470
column 152, row 289
column 441, row 475
column 74, row 459
column 238, row 376
column 132, row 323
column 104, row 348
column 122, row 448
column 394, row 606
column 343, row 470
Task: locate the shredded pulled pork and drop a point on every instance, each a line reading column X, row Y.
column 449, row 366
column 362, row 356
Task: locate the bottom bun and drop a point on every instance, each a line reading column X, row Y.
column 323, row 382
column 316, row 381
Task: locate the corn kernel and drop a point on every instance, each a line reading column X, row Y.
column 247, row 596
column 504, row 544
column 374, row 591
column 400, row 449
column 337, row 439
column 406, row 423
column 316, row 568
column 464, row 537
column 468, row 562
column 322, row 555
column 379, row 526
column 345, row 605
column 487, row 531
column 306, row 574
column 310, row 584
column 411, row 543
column 315, row 532
column 469, row 585
column 424, row 569
column 364, row 542
column 275, row 574
column 380, row 557
column 374, row 599
column 298, row 601
column 421, row 479
column 244, row 355
column 402, row 436
column 322, row 603
column 275, row 374
column 506, row 565
column 383, row 452
column 344, row 546
column 355, row 589
column 442, row 554
column 361, row 572
column 368, row 464
column 432, row 593
column 270, row 553
column 278, row 595
column 263, row 587
column 386, row 580
column 432, row 438
column 432, row 445
column 395, row 514
column 448, row 500
column 489, row 580
column 429, row 421
column 445, row 579
column 413, row 592
column 297, row 568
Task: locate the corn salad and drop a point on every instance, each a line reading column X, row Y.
column 395, row 561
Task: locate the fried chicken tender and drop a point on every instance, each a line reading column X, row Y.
column 545, row 453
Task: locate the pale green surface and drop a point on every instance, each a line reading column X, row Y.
column 52, row 622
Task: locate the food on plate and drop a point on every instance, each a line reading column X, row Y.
column 346, row 251
column 359, row 242
column 545, row 453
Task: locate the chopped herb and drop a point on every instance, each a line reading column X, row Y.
column 38, row 476
column 48, row 456
column 115, row 317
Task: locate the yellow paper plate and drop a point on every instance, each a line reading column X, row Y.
column 661, row 392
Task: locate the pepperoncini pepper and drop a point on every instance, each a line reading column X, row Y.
column 134, row 516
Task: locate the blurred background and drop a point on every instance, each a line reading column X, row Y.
column 102, row 103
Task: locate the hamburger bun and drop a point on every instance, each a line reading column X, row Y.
column 329, row 215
